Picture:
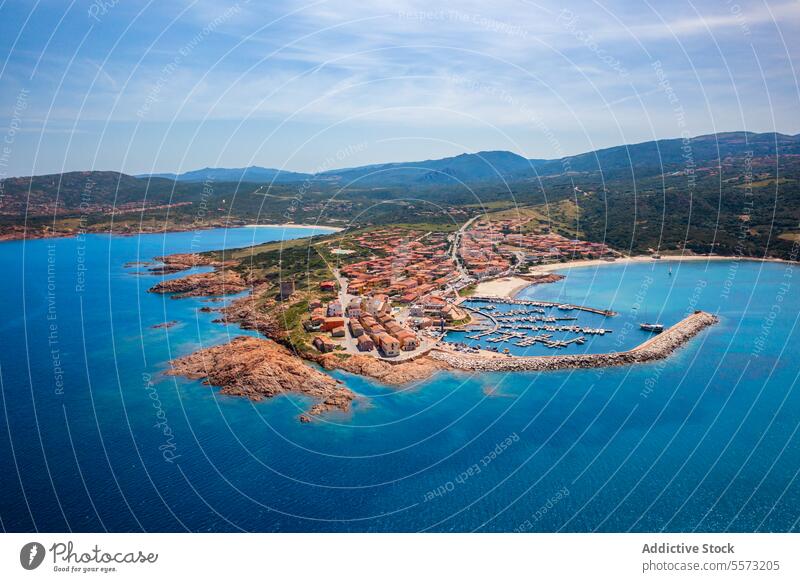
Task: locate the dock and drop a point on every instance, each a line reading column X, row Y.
column 550, row 304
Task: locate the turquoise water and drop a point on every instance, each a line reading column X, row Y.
column 706, row 440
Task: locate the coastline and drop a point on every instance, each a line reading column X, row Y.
column 291, row 225
column 552, row 267
column 512, row 286
column 22, row 234
column 272, row 374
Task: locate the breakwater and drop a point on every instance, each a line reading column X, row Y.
column 656, row 348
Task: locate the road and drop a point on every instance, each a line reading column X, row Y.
column 349, row 342
column 457, row 242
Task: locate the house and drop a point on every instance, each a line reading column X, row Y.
column 408, row 343
column 337, row 331
column 422, row 322
column 377, row 304
column 332, row 323
column 389, row 346
column 356, row 328
column 327, row 286
column 365, row 344
column 354, row 308
column 335, row 309
column 318, row 316
column 453, row 313
column 323, row 344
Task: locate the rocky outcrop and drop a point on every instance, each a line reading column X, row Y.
column 251, row 312
column 541, row 278
column 656, row 348
column 388, row 373
column 259, row 368
column 181, row 262
column 219, row 282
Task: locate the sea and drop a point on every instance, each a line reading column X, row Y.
column 94, row 437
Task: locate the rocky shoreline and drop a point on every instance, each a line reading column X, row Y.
column 385, row 372
column 219, row 282
column 258, row 368
column 656, row 348
column 182, row 262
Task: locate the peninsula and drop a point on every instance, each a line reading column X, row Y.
column 380, row 302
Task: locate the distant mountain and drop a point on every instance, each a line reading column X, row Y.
column 487, row 167
column 479, row 167
column 249, row 174
column 700, row 150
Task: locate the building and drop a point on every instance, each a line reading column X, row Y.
column 318, row 316
column 335, row 309
column 332, row 323
column 365, row 344
column 408, row 342
column 376, row 305
column 354, row 308
column 323, row 344
column 389, row 346
column 337, row 331
column 416, row 311
column 287, row 288
column 356, row 329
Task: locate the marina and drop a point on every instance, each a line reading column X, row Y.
column 495, row 301
column 656, row 348
column 517, row 326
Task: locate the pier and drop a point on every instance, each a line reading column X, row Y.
column 532, row 303
column 655, row 348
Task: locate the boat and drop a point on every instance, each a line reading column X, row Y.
column 654, row 327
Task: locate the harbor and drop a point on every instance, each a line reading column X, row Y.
column 520, row 327
column 656, row 348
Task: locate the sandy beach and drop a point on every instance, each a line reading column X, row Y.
column 290, row 225
column 503, row 287
column 552, row 267
column 510, row 286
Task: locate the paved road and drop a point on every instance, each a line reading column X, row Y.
column 457, row 242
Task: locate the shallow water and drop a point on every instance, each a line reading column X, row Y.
column 706, row 440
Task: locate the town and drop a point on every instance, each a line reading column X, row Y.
column 400, row 301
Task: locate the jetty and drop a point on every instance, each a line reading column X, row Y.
column 533, row 303
column 655, row 348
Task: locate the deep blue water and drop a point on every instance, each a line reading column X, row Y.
column 706, row 440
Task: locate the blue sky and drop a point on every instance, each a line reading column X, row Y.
column 172, row 86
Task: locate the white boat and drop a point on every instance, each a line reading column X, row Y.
column 654, row 327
